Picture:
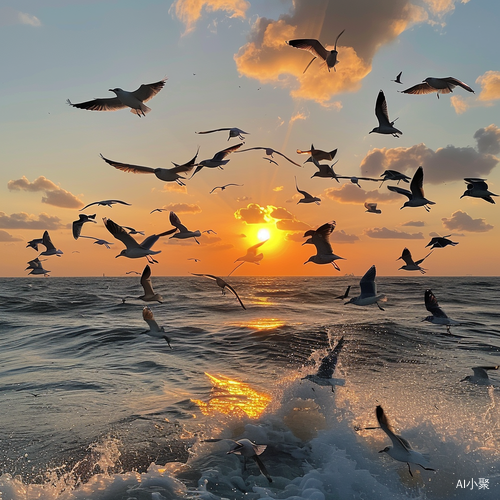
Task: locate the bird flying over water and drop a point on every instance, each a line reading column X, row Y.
column 438, row 317
column 477, row 188
column 270, row 152
column 105, row 203
column 385, row 126
column 308, row 198
column 154, row 329
column 415, row 196
column 439, row 85
column 134, row 100
column 400, row 449
column 233, row 132
column 317, row 154
column 317, row 50
column 99, row 241
column 50, row 249
column 320, row 238
column 34, row 243
column 222, row 284
column 182, row 231
column 480, row 376
column 149, row 294
column 164, row 174
column 440, row 242
column 36, row 267
column 410, row 265
column 78, row 224
column 217, row 160
column 368, row 293
column 224, row 187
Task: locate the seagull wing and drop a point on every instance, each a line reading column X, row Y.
column 176, row 222
column 337, row 39
column 106, row 202
column 480, row 371
column 209, row 276
column 125, row 167
column 146, row 281
column 421, row 88
column 381, row 110
column 329, row 362
column 311, row 45
column 303, row 193
column 321, row 238
column 89, row 205
column 106, row 104
column 47, row 242
column 402, row 191
column 222, row 154
column 432, row 305
column 187, row 167
column 370, row 206
column 417, row 183
column 214, row 130
column 147, row 91
column 418, row 262
column 148, row 316
column 253, row 249
column 367, row 283
column 120, row 234
column 89, row 237
column 386, row 427
column 234, row 292
column 406, row 256
column 77, row 228
column 454, row 81
column 286, row 158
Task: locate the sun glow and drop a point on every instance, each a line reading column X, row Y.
column 263, row 234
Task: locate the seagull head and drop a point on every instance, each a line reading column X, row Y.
column 374, row 130
column 385, row 450
column 118, row 89
column 121, row 254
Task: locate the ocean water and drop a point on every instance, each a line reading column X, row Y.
column 94, row 409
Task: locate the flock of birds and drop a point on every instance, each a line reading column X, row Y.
column 478, row 188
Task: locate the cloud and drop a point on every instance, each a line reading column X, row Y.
column 297, row 237
column 441, row 7
column 443, row 165
column 291, row 225
column 414, row 223
column 459, row 104
column 9, row 16
column 22, row 220
column 281, row 213
column 183, row 208
column 190, row 11
column 5, row 237
column 54, row 195
column 461, row 221
column 490, row 86
column 349, row 193
column 298, row 116
column 174, row 187
column 254, row 214
column 267, row 58
column 243, row 198
column 393, row 234
column 342, row 237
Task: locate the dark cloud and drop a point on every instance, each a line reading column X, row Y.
column 414, row 223
column 393, row 234
column 253, row 214
column 349, row 193
column 341, row 236
column 461, row 221
column 22, row 220
column 291, row 225
column 488, row 140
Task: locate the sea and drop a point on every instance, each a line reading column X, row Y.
column 93, row 408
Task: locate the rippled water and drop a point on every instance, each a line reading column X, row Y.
column 93, row 408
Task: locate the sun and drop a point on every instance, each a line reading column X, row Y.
column 263, row 234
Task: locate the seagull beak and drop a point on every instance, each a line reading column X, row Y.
column 462, row 196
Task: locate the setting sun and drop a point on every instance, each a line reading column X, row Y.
column 263, row 234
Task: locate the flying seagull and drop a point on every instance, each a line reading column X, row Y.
column 438, row 317
column 394, row 175
column 320, row 238
column 345, row 294
column 134, row 100
column 411, row 265
column 222, row 284
column 368, row 293
column 325, row 171
column 328, row 364
column 149, row 294
column 224, row 187
column 371, row 208
column 308, row 198
column 317, row 50
column 164, row 174
column 440, row 242
column 385, row 126
column 217, row 160
column 398, row 78
column 131, row 230
column 99, row 241
column 317, row 154
column 480, row 376
column 270, row 152
column 233, row 132
column 154, row 329
column 182, row 231
column 34, row 243
column 77, row 224
column 439, row 85
column 477, row 188
column 50, row 249
column 251, row 256
column 36, row 267
column 105, row 203
column 400, row 449
column 133, row 249
column 415, row 196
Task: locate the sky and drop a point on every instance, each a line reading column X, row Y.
column 227, row 65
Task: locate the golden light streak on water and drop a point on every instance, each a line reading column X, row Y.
column 232, row 397
column 264, row 323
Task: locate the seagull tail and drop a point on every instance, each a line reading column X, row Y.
column 142, row 111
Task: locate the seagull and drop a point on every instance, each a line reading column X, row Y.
column 164, row 174
column 133, row 249
column 394, row 175
column 224, row 187
column 99, row 241
column 320, row 238
column 317, row 154
column 439, row 85
column 355, row 180
column 368, row 293
column 247, row 449
column 196, row 260
column 160, row 210
column 440, row 242
column 233, row 132
column 480, row 376
column 149, row 294
column 77, row 224
column 438, row 315
column 218, row 159
column 371, row 208
column 250, row 256
column 270, row 160
column 131, row 230
column 328, row 364
column 307, row 197
column 270, row 152
column 183, row 231
column 345, row 294
column 36, row 267
column 222, row 284
column 105, row 203
column 477, row 188
column 317, row 50
column 416, row 194
column 385, row 126
column 410, row 265
column 134, row 100
column 398, row 78
column 50, row 248
column 400, row 449
column 154, row 329
column 325, row 171
column 34, row 243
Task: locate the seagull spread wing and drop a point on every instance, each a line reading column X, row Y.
column 214, row 130
column 187, row 166
column 47, row 242
column 367, row 284
column 432, row 305
column 421, row 88
column 105, row 104
column 235, row 294
column 148, row 316
column 386, row 427
column 176, row 222
column 329, row 362
column 454, row 81
column 381, row 110
column 120, row 234
column 147, row 91
column 321, row 239
column 402, row 191
column 125, row 167
column 311, row 45
column 406, row 256
column 418, row 262
column 417, row 183
column 146, row 281
column 222, row 154
column 480, row 371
